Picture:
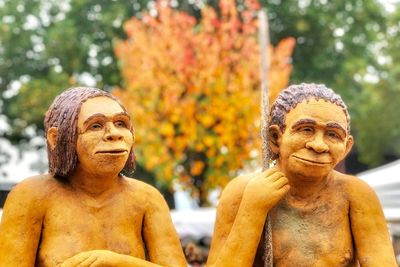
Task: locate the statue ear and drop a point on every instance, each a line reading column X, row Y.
column 52, row 135
column 274, row 137
column 349, row 145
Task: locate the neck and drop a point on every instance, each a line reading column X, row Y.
column 306, row 189
column 93, row 184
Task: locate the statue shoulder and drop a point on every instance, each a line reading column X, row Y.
column 138, row 188
column 354, row 186
column 137, row 184
column 147, row 197
column 233, row 191
column 28, row 199
column 35, row 186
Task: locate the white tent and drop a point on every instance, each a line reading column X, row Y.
column 385, row 180
column 194, row 222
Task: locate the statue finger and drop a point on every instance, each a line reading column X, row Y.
column 89, row 261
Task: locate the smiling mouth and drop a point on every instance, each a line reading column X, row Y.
column 312, row 161
column 112, row 152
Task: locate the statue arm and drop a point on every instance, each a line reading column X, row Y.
column 241, row 215
column 368, row 226
column 159, row 234
column 227, row 210
column 21, row 224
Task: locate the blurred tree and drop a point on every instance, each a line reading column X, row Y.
column 337, row 44
column 46, row 46
column 335, row 39
column 194, row 91
column 377, row 121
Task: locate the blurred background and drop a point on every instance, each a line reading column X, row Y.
column 189, row 73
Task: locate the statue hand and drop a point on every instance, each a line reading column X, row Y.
column 93, row 258
column 265, row 189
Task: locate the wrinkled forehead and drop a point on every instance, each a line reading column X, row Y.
column 101, row 105
column 320, row 111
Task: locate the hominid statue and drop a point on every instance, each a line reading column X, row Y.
column 85, row 212
column 320, row 217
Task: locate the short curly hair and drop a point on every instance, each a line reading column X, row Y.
column 295, row 94
column 63, row 114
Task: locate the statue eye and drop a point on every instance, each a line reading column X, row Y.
column 96, row 126
column 120, row 124
column 333, row 134
column 307, row 129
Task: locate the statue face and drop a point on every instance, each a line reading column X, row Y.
column 315, row 139
column 104, row 139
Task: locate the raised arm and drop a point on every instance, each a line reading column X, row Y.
column 227, row 209
column 21, row 224
column 368, row 226
column 241, row 216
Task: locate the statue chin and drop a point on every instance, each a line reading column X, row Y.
column 309, row 172
column 111, row 168
column 105, row 164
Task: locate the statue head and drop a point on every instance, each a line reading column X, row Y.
column 309, row 127
column 289, row 98
column 61, row 125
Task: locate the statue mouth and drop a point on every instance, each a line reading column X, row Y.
column 309, row 161
column 113, row 151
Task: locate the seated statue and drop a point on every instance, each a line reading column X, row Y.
column 319, row 216
column 85, row 212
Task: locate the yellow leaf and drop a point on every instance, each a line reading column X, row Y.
column 197, row 168
column 208, row 140
column 167, row 129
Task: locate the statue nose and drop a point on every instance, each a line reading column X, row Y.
column 318, row 144
column 112, row 133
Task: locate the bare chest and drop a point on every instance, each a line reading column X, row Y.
column 74, row 225
column 317, row 234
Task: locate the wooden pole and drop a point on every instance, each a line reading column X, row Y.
column 264, row 45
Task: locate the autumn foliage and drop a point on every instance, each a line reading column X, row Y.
column 193, row 88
